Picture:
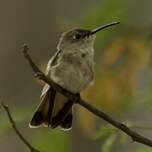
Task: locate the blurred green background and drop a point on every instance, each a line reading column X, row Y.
column 123, row 80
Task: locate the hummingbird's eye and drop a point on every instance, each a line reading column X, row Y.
column 76, row 36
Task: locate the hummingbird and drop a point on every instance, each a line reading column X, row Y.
column 71, row 67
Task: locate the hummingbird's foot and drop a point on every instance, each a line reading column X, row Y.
column 77, row 97
column 39, row 75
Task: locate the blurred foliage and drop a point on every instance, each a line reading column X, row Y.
column 150, row 94
column 107, row 145
column 146, row 149
column 45, row 140
column 104, row 132
column 55, row 140
column 19, row 116
column 111, row 137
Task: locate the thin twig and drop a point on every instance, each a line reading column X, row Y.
column 32, row 149
column 134, row 135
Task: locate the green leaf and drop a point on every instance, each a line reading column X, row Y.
column 122, row 137
column 109, row 142
column 104, row 131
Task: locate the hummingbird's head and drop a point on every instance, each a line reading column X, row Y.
column 80, row 38
column 76, row 38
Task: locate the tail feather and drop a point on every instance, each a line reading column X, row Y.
column 62, row 114
column 51, row 101
column 44, row 110
column 67, row 122
column 54, row 110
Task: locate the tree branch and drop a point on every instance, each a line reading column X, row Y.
column 32, row 149
column 134, row 135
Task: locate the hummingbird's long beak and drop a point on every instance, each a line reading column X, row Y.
column 103, row 27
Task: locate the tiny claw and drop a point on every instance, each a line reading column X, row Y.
column 77, row 97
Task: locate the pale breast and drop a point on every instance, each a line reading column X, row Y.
column 74, row 71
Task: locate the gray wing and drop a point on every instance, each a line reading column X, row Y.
column 52, row 62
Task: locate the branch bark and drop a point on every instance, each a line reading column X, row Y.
column 134, row 135
column 32, row 149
